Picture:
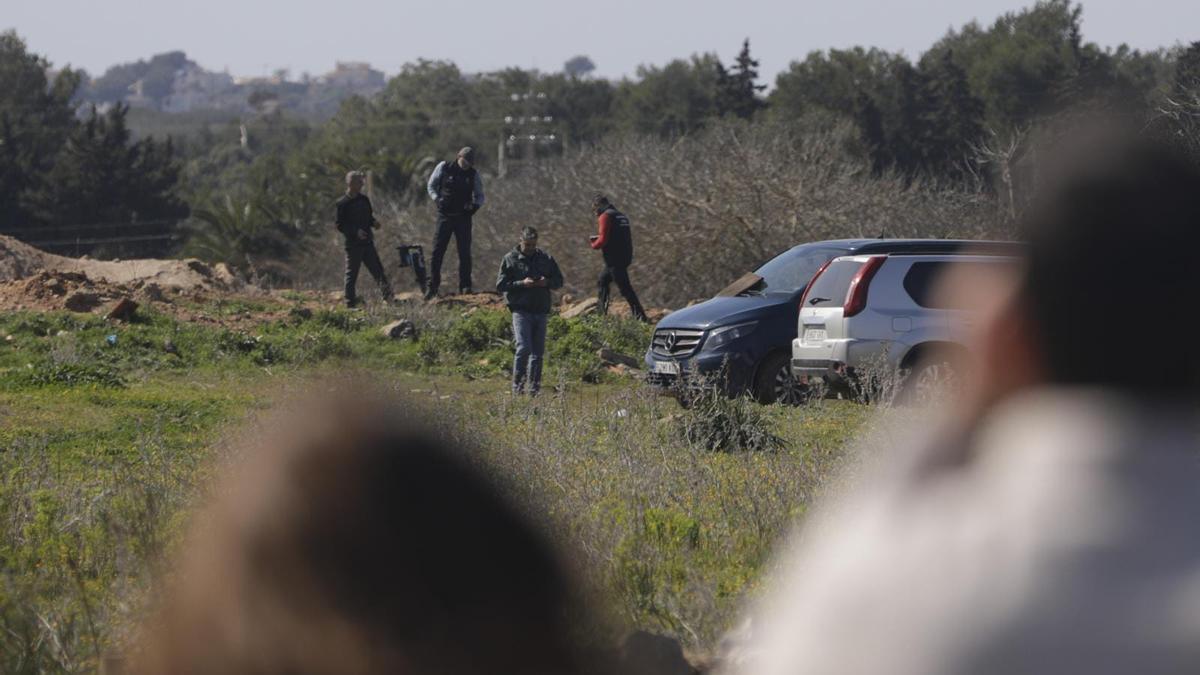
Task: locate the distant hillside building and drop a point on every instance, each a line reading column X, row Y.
column 356, row 76
column 195, row 87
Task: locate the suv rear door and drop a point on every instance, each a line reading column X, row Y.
column 821, row 314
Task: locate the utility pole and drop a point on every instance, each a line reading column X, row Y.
column 527, row 129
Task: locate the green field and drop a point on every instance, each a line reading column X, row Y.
column 110, row 433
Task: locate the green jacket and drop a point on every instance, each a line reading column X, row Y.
column 516, row 267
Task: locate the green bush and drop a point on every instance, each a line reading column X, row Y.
column 46, row 373
column 716, row 422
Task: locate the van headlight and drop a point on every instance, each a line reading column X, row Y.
column 722, row 336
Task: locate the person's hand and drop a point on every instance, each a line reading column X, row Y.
column 362, row 235
column 593, row 238
column 528, row 281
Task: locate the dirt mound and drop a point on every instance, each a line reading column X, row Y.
column 567, row 306
column 74, row 291
column 19, row 261
column 471, row 300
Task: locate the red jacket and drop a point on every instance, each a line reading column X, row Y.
column 605, row 224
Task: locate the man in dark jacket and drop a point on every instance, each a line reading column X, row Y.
column 458, row 191
column 527, row 275
column 615, row 241
column 355, row 219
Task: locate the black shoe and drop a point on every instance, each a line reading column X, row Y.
column 465, row 290
column 430, row 293
column 353, row 303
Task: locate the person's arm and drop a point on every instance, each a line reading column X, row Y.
column 434, row 186
column 555, row 278
column 504, row 280
column 478, row 191
column 338, row 223
column 371, row 209
column 601, row 239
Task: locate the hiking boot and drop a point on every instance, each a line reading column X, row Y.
column 430, row 293
column 465, row 290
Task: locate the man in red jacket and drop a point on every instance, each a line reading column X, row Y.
column 615, row 241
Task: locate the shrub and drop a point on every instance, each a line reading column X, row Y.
column 716, row 422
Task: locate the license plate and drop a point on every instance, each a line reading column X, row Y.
column 666, row 367
column 814, row 334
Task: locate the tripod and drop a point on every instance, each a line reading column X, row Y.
column 412, row 255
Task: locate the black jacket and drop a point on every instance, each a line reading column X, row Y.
column 618, row 249
column 456, row 193
column 515, row 267
column 354, row 215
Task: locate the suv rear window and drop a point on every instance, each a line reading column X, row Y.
column 829, row 290
column 921, row 282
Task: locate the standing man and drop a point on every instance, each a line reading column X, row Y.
column 355, row 219
column 615, row 240
column 527, row 275
column 458, row 191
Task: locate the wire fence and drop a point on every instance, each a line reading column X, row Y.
column 108, row 239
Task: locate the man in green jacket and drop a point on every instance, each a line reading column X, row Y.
column 527, row 275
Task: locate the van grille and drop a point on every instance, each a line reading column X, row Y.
column 676, row 342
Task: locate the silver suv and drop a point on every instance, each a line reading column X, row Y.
column 882, row 311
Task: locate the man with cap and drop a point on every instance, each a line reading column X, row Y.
column 355, row 219
column 457, row 189
column 615, row 241
column 527, row 275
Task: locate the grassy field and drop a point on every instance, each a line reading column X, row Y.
column 110, row 432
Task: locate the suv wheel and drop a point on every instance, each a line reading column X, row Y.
column 774, row 382
column 929, row 381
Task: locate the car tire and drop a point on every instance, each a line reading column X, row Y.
column 929, row 380
column 774, row 383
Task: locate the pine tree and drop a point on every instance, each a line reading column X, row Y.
column 35, row 116
column 952, row 117
column 1187, row 70
column 737, row 88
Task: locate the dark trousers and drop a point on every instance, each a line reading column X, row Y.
column 364, row 253
column 621, row 276
column 529, row 334
column 460, row 227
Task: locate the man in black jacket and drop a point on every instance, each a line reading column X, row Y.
column 355, row 219
column 615, row 241
column 457, row 189
column 527, row 275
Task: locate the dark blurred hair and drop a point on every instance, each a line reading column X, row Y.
column 351, row 544
column 1110, row 280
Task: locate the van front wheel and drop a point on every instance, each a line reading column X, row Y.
column 774, row 382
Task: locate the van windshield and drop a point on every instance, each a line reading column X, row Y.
column 791, row 270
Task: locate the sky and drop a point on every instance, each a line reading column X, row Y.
column 256, row 37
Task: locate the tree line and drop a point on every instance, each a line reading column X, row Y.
column 961, row 113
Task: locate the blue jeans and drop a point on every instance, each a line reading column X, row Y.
column 529, row 331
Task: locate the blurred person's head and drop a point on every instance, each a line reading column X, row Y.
column 600, row 202
column 466, row 157
column 354, row 182
column 529, row 240
column 1108, row 286
column 353, row 543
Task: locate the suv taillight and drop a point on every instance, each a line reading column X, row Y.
column 804, row 296
column 856, row 296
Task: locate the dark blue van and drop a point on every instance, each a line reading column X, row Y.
column 743, row 336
